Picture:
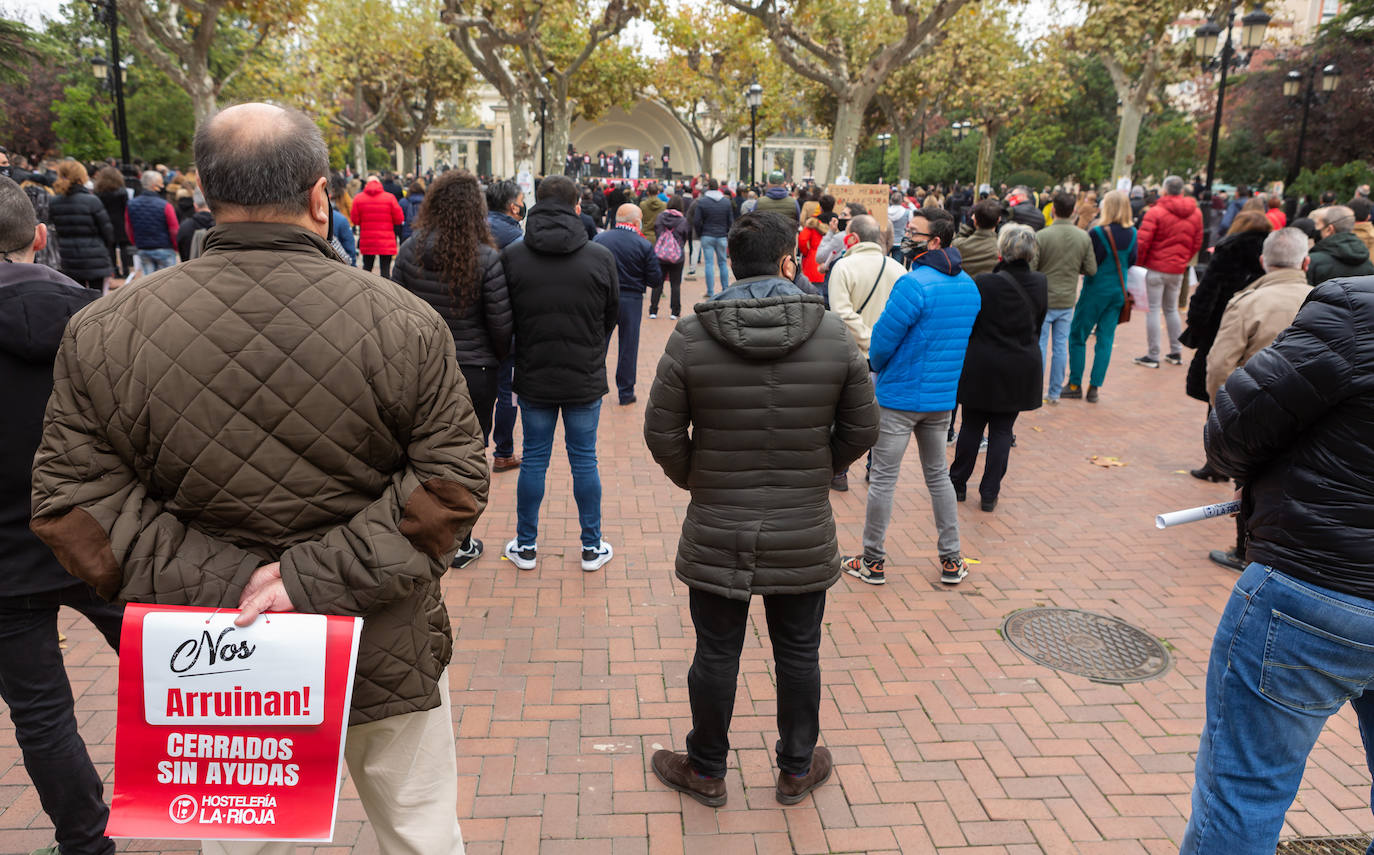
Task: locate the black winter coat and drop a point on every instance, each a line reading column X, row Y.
column 482, row 331
column 756, row 404
column 565, row 296
column 86, row 234
column 116, row 202
column 1293, row 425
column 35, row 304
column 1235, row 264
column 1002, row 366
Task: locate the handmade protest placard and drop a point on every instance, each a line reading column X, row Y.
column 230, row 733
column 874, row 197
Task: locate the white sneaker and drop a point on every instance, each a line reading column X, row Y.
column 595, row 559
column 523, row 557
column 653, row 316
column 674, row 317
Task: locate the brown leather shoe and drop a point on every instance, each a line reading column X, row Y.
column 792, row 789
column 676, row 772
column 505, row 464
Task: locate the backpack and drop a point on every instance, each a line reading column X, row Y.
column 668, row 248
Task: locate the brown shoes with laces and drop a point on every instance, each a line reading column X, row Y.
column 792, row 789
column 676, row 772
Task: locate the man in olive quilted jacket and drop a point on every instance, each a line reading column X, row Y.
column 265, row 428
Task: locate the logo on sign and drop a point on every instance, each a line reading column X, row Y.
column 199, row 670
column 182, row 809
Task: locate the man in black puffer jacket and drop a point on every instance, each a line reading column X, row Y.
column 1296, row 640
column 35, row 304
column 564, row 293
column 777, row 398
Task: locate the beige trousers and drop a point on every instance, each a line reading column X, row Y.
column 406, row 771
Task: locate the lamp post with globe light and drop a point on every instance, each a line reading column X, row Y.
column 1205, row 41
column 753, row 96
column 1330, row 77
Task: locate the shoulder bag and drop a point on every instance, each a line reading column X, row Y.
column 1120, row 276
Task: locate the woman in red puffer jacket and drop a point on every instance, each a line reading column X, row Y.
column 376, row 213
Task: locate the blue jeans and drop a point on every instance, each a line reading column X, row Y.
column 713, row 248
column 579, row 429
column 1059, row 321
column 153, row 260
column 503, row 427
column 1286, row 657
column 627, row 326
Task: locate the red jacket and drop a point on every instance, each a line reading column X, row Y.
column 1170, row 235
column 808, row 241
column 376, row 213
column 1277, row 218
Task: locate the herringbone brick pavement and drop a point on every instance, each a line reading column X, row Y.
column 946, row 739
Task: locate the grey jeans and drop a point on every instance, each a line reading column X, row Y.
column 1163, row 289
column 895, row 428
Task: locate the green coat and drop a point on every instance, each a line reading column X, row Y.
column 1066, row 253
column 1342, row 254
column 651, row 207
column 978, row 251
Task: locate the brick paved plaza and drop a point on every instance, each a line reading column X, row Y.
column 945, row 739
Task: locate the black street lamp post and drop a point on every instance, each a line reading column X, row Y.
column 1293, row 88
column 1205, row 45
column 882, row 158
column 543, row 144
column 107, row 14
column 754, row 96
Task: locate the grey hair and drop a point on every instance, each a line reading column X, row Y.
column 151, row 179
column 1338, row 217
column 1285, row 248
column 1173, row 186
column 260, row 157
column 198, row 198
column 1016, row 243
column 866, row 228
column 18, row 224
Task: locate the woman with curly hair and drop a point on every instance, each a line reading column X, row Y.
column 83, row 225
column 452, row 263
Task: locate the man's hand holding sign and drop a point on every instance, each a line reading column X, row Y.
column 265, row 592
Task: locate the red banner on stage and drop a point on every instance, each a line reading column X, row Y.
column 231, row 733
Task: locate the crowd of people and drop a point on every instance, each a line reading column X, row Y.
column 828, row 332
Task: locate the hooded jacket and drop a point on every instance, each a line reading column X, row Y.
column 261, row 403
column 918, row 344
column 505, row 229
column 1235, row 263
column 565, row 297
column 1292, row 424
column 808, row 242
column 1170, row 235
column 35, row 304
column 978, row 251
column 197, row 222
column 86, row 233
column 776, row 200
column 482, row 330
column 649, row 210
column 376, row 213
column 760, row 397
column 1341, row 254
column 712, row 215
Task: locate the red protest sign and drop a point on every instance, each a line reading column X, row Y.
column 230, row 733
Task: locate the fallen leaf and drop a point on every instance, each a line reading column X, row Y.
column 1180, row 471
column 1037, row 429
column 972, row 560
column 1106, row 462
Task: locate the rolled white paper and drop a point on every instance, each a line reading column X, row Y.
column 1206, row 512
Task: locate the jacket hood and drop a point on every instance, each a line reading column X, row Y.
column 762, row 319
column 373, row 188
column 714, row 194
column 35, row 304
column 1345, row 247
column 776, row 193
column 551, row 228
column 946, row 261
column 1180, row 206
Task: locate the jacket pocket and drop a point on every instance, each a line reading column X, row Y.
column 1310, row 669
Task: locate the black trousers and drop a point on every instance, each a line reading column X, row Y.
column 672, row 274
column 794, row 625
column 33, row 682
column 386, row 264
column 999, row 427
column 482, row 383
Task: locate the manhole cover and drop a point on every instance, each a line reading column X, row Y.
column 1095, row 646
column 1323, row 846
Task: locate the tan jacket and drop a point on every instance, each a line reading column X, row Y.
column 854, row 276
column 1365, row 232
column 1253, row 319
column 261, row 403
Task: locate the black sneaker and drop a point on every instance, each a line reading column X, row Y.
column 523, row 557
column 594, row 558
column 1071, row 392
column 1174, row 359
column 840, row 483
column 467, row 556
column 1207, row 473
column 1228, row 558
column 953, row 569
column 863, row 569
column 1146, row 362
column 1091, row 397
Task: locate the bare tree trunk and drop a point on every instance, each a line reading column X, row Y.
column 986, row 147
column 558, row 130
column 522, row 148
column 708, row 151
column 849, row 116
column 1127, row 136
column 903, row 155
column 360, row 152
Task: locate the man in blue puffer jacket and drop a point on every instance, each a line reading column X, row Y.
column 917, row 354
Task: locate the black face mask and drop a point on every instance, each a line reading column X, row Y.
column 5, row 171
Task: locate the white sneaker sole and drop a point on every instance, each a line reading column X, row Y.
column 513, row 557
column 600, row 561
column 869, row 579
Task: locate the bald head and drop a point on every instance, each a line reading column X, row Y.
column 260, row 161
column 866, row 228
column 628, row 213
